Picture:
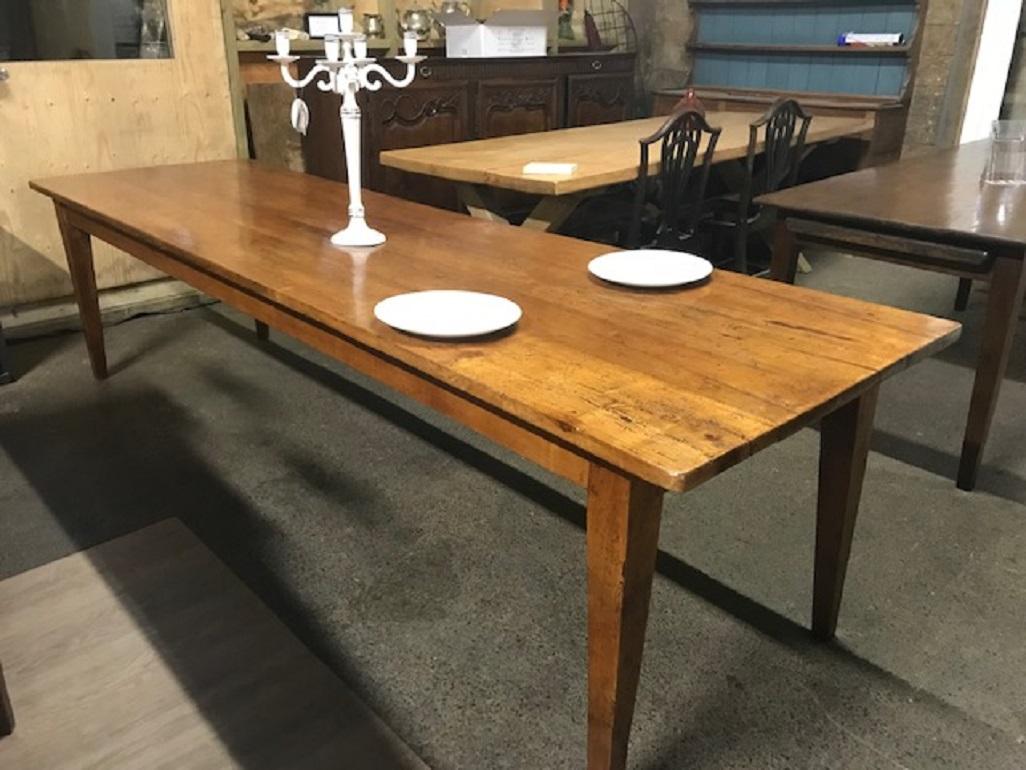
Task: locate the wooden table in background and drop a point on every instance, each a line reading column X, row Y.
column 929, row 212
column 605, row 155
column 629, row 394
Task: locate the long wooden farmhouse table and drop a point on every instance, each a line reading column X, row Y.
column 630, row 394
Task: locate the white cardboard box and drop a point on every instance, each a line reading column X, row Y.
column 505, row 33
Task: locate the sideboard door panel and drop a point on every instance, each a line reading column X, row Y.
column 322, row 144
column 594, row 99
column 507, row 107
column 423, row 114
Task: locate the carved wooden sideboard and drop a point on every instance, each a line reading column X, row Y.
column 453, row 100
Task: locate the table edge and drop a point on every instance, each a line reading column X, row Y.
column 893, row 227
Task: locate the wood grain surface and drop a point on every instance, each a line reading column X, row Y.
column 605, row 154
column 148, row 652
column 669, row 386
column 934, row 195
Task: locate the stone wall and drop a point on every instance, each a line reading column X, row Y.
column 663, row 27
column 275, row 13
column 950, row 35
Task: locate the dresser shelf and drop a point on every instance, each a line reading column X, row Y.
column 829, row 50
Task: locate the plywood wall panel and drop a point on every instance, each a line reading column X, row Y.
column 70, row 117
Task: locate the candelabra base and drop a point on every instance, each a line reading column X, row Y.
column 357, row 233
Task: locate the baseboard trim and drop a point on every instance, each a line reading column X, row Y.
column 164, row 295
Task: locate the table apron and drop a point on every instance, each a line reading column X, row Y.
column 503, row 429
column 890, row 244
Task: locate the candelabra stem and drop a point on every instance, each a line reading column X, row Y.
column 357, row 232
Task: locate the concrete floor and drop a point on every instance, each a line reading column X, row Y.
column 444, row 580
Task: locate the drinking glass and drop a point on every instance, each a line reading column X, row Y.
column 1007, row 163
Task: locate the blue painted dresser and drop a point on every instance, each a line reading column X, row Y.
column 749, row 52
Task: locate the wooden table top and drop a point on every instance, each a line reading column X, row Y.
column 937, row 193
column 605, row 154
column 669, row 386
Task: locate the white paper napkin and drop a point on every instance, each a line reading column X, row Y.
column 550, row 169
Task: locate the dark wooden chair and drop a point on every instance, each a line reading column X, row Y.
column 784, row 127
column 669, row 204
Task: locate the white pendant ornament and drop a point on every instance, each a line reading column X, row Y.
column 346, row 74
column 300, row 116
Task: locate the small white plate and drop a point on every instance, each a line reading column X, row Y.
column 448, row 313
column 650, row 268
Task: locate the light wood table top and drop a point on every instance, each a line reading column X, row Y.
column 671, row 387
column 605, row 154
column 934, row 194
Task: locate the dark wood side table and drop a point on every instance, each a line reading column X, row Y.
column 931, row 212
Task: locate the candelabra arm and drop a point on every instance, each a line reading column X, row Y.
column 286, row 61
column 384, row 75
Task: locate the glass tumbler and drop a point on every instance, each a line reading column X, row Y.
column 1007, row 163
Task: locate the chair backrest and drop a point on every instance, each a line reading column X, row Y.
column 680, row 191
column 785, row 126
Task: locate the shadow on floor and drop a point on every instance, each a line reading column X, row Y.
column 991, row 480
column 108, row 470
column 763, row 619
column 709, row 720
column 115, row 467
column 24, row 356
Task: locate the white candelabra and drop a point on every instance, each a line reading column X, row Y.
column 348, row 69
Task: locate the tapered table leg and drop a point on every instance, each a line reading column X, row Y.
column 1007, row 284
column 784, row 262
column 844, row 446
column 965, row 288
column 6, row 712
column 79, row 250
column 622, row 534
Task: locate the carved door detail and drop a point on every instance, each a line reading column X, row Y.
column 431, row 113
column 594, row 99
column 507, row 107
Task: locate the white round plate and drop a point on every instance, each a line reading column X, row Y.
column 448, row 313
column 650, row 268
